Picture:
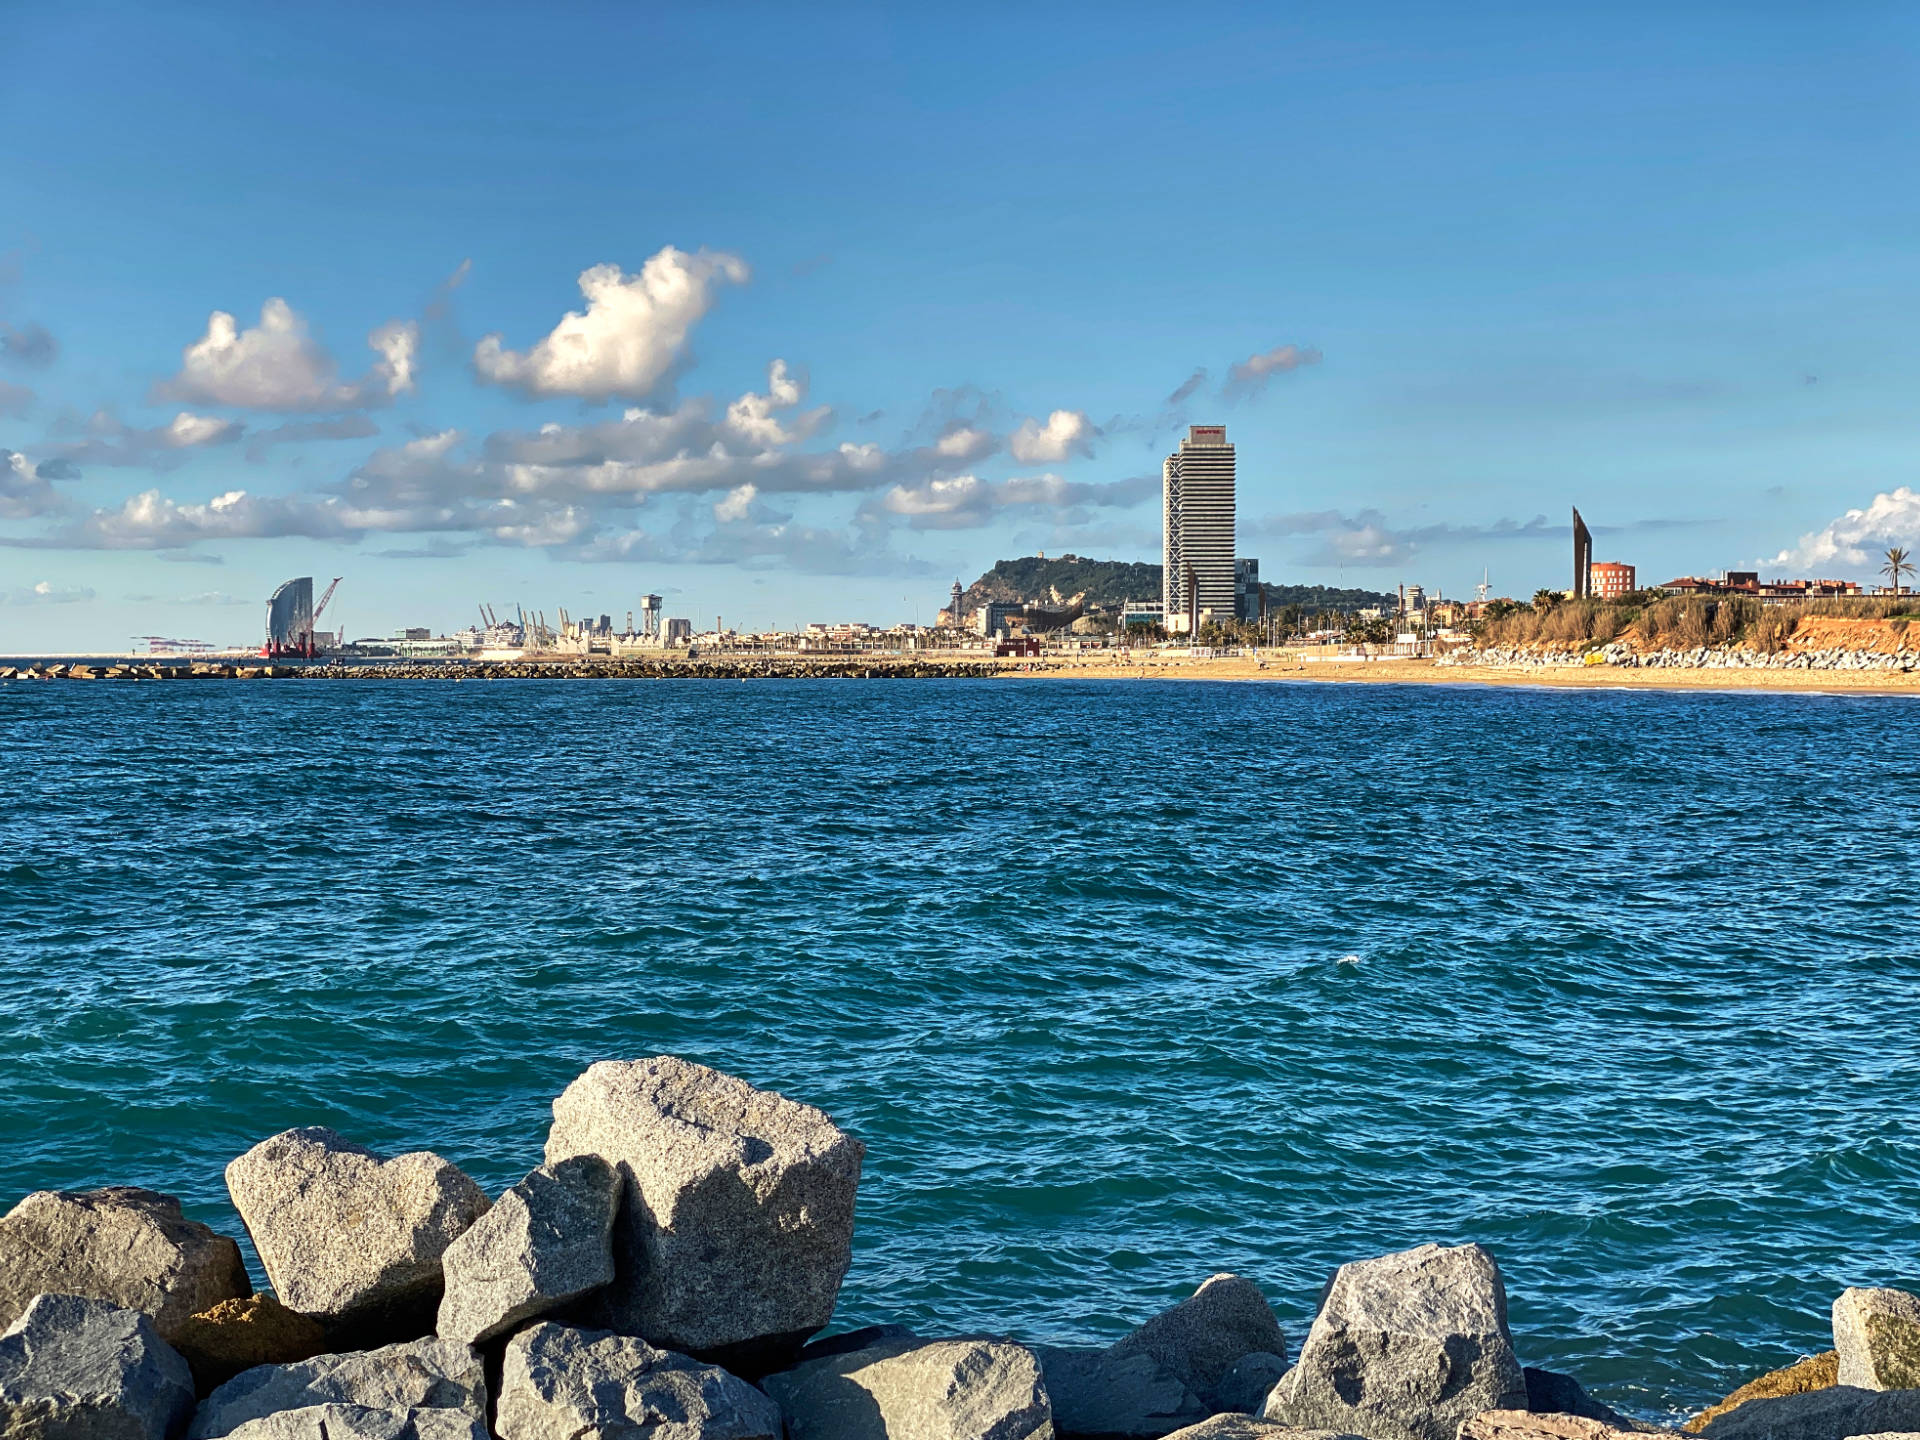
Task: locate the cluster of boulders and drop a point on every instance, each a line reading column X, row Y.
column 1703, row 657
column 880, row 667
column 663, row 1275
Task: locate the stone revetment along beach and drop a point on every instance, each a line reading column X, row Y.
column 665, row 1273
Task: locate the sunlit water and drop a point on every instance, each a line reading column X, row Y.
column 1122, row 983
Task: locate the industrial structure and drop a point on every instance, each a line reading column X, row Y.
column 1582, row 557
column 291, row 617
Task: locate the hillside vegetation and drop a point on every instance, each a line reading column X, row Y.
column 1053, row 582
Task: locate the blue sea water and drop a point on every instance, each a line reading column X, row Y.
column 1122, row 983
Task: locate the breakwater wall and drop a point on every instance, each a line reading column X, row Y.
column 717, row 668
column 1699, row 658
column 664, row 1273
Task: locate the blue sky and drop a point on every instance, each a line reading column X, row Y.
column 1446, row 269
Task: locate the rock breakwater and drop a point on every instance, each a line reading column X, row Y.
column 698, row 668
column 1507, row 657
column 660, row 1277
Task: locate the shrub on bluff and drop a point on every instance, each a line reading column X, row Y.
column 1405, row 1347
column 736, row 1219
column 127, row 1246
column 348, row 1237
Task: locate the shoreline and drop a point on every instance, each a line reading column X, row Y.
column 1110, row 668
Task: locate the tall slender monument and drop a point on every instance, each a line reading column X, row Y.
column 1582, row 557
column 1197, row 540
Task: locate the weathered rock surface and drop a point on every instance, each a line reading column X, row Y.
column 130, row 1247
column 1246, row 1427
column 547, row 1241
column 1095, row 1393
column 1405, row 1347
column 1830, row 1414
column 1219, row 1349
column 356, row 1422
column 1202, row 1338
column 347, row 1236
column 237, row 1335
column 1550, row 1393
column 736, row 1221
column 1877, row 1336
column 417, row 1375
column 75, row 1368
column 917, row 1390
column 559, row 1383
column 1812, row 1372
column 1528, row 1425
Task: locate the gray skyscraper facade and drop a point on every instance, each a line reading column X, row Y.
column 1197, row 539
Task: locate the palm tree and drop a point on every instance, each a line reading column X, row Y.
column 1545, row 600
column 1896, row 566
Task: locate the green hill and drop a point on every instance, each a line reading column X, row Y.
column 1055, row 581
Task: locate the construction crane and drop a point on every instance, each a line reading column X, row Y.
column 325, row 598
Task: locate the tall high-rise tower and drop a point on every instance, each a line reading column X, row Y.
column 1582, row 557
column 1197, row 539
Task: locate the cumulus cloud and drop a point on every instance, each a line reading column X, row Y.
column 28, row 344
column 1247, row 378
column 1854, row 540
column 964, row 502
column 1067, row 432
column 277, row 365
column 110, row 442
column 631, row 336
column 47, row 593
column 1369, row 538
column 754, row 419
column 962, row 443
column 26, row 489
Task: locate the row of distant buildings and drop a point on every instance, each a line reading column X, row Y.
column 1613, row 580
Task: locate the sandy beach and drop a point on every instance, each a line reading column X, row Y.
column 1426, row 672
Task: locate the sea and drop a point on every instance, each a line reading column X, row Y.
column 1123, row 983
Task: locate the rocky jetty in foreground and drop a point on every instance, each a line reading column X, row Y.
column 662, row 1276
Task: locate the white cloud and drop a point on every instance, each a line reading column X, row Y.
column 738, row 504
column 629, row 338
column 963, row 502
column 1067, row 432
column 751, row 418
column 26, row 491
column 1854, row 540
column 1249, row 377
column 46, row 593
column 112, row 442
column 963, row 443
column 279, row 366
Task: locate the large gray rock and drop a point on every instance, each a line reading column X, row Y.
column 1097, row 1395
column 1200, row 1340
column 1835, row 1413
column 1553, row 1425
column 1550, row 1393
column 558, row 1383
column 1877, row 1335
column 349, row 1237
column 736, row 1222
column 417, row 1375
column 917, row 1390
column 1219, row 1349
column 130, row 1247
column 356, row 1422
column 73, row 1368
column 1405, row 1347
column 547, row 1241
column 1246, row 1427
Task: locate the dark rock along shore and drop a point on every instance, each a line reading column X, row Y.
column 663, row 1274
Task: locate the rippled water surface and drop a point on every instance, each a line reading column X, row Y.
column 1122, row 983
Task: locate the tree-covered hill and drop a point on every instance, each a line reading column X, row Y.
column 1054, row 581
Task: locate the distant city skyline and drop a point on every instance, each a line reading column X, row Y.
column 514, row 310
